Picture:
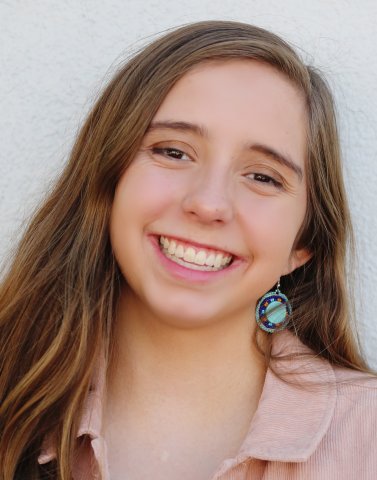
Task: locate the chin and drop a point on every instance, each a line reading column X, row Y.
column 186, row 317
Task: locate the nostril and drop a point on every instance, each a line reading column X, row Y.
column 205, row 211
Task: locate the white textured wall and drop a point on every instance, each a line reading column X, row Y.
column 56, row 54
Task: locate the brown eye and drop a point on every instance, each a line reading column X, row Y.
column 173, row 153
column 262, row 178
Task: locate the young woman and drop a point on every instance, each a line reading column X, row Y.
column 177, row 308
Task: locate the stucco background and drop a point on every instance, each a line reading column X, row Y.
column 55, row 56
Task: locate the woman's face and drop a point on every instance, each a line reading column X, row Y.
column 204, row 220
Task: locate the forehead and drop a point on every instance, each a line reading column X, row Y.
column 241, row 101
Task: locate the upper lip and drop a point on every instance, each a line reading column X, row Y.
column 197, row 244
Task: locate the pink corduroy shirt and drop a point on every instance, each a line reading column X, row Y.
column 324, row 431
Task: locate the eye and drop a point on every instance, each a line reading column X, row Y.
column 266, row 179
column 171, row 152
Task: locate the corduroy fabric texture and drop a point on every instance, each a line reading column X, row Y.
column 320, row 424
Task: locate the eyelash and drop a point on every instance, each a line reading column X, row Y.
column 266, row 179
column 258, row 177
column 164, row 152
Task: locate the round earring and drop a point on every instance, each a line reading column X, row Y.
column 273, row 311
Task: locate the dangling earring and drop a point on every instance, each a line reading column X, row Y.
column 273, row 311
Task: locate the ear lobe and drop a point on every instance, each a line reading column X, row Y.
column 297, row 259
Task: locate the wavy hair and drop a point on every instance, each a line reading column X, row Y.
column 58, row 297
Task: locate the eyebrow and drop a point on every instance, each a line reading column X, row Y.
column 279, row 158
column 183, row 126
column 203, row 132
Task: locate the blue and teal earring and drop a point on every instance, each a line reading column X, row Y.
column 273, row 311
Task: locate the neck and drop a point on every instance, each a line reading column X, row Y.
column 198, row 367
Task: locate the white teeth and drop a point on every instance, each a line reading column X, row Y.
column 199, row 260
column 189, row 255
column 210, row 259
column 179, row 251
column 218, row 260
column 171, row 248
column 191, row 266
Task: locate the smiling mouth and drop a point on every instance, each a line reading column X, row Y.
column 194, row 258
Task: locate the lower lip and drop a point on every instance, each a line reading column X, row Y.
column 183, row 273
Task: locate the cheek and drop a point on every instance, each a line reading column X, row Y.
column 272, row 223
column 143, row 193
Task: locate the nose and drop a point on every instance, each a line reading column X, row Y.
column 208, row 199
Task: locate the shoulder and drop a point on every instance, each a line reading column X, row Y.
column 355, row 384
column 355, row 413
column 350, row 440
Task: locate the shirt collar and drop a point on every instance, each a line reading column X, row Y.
column 292, row 417
column 294, row 413
column 91, row 417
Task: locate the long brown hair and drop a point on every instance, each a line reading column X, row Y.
column 58, row 298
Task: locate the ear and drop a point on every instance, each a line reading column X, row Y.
column 297, row 259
